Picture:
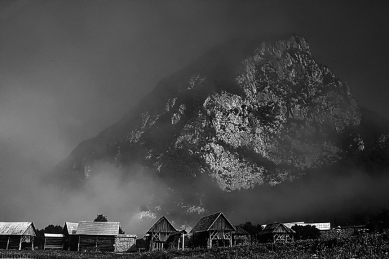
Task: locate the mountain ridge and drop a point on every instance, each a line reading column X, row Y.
column 243, row 114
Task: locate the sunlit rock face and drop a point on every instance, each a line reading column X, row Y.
column 242, row 115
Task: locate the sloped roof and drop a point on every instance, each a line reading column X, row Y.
column 276, row 228
column 53, row 235
column 71, row 227
column 127, row 236
column 17, row 228
column 206, row 223
column 162, row 225
column 98, row 228
column 240, row 231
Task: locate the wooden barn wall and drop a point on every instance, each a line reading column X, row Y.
column 71, row 242
column 54, row 243
column 164, row 236
column 280, row 229
column 13, row 242
column 200, row 239
column 30, row 231
column 97, row 243
column 163, row 226
column 221, row 224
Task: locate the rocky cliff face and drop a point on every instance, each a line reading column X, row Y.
column 244, row 114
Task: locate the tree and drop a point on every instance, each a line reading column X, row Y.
column 306, row 232
column 101, row 218
column 53, row 229
column 250, row 228
column 253, row 230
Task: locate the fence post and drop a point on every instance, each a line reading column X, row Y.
column 20, row 243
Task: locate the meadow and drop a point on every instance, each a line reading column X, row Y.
column 364, row 246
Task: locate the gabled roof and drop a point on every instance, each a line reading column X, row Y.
column 17, row 228
column 276, row 228
column 162, row 225
column 71, row 227
column 98, row 228
column 207, row 223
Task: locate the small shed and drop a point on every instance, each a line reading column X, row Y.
column 124, row 242
column 97, row 236
column 158, row 234
column 277, row 233
column 213, row 230
column 15, row 235
column 70, row 236
column 241, row 236
column 53, row 241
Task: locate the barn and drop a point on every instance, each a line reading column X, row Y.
column 241, row 236
column 213, row 230
column 53, row 241
column 70, row 236
column 178, row 240
column 97, row 236
column 277, row 233
column 158, row 234
column 17, row 235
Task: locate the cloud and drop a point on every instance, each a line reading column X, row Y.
column 108, row 191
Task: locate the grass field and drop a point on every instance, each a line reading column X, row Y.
column 367, row 246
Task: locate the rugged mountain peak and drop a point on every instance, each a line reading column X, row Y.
column 244, row 114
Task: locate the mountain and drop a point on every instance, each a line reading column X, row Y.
column 245, row 114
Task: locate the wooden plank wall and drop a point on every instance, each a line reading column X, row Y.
column 71, row 243
column 53, row 243
column 10, row 242
column 163, row 226
column 221, row 225
column 96, row 243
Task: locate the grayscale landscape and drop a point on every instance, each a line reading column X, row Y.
column 194, row 129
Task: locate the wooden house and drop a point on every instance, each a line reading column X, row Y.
column 158, row 234
column 213, row 230
column 53, row 241
column 277, row 232
column 70, row 236
column 97, row 236
column 17, row 235
column 241, row 236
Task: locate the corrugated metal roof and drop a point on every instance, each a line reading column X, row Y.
column 17, row 228
column 205, row 223
column 53, row 235
column 71, row 227
column 98, row 228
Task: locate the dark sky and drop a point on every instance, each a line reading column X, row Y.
column 68, row 69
